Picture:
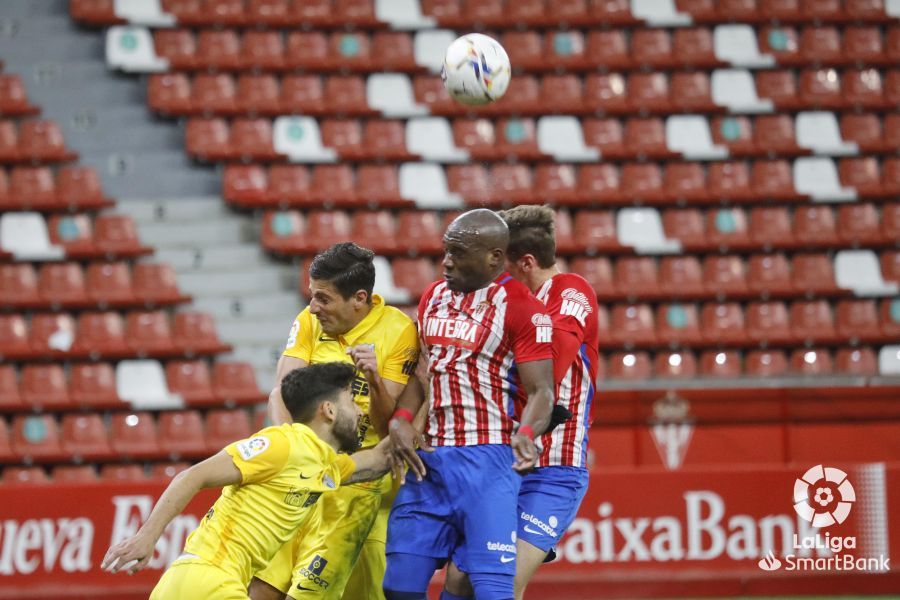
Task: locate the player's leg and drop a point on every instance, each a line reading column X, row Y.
column 273, row 581
column 197, row 580
column 456, row 584
column 548, row 502
column 486, row 500
column 323, row 561
column 368, row 574
column 421, row 530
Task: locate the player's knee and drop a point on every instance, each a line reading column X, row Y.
column 260, row 590
column 492, row 586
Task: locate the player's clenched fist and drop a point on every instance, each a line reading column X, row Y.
column 365, row 359
column 524, row 451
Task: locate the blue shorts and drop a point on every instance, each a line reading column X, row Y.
column 548, row 502
column 464, row 509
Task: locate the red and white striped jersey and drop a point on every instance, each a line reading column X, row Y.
column 572, row 305
column 473, row 342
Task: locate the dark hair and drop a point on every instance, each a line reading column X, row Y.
column 302, row 390
column 531, row 231
column 346, row 266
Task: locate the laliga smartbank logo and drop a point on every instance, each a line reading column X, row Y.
column 823, row 496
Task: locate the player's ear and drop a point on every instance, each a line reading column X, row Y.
column 328, row 409
column 361, row 297
column 496, row 257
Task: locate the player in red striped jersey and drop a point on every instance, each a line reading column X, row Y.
column 481, row 331
column 551, row 494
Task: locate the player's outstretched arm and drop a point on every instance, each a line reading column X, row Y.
column 537, row 379
column 276, row 410
column 370, row 464
column 404, row 438
column 133, row 554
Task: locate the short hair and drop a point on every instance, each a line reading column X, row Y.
column 303, row 389
column 531, row 231
column 346, row 266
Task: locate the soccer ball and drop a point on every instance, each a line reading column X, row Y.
column 476, row 69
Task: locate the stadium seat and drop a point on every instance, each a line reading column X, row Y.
column 214, row 94
column 192, row 381
column 811, row 361
column 862, row 175
column 890, row 319
column 18, row 285
column 864, row 130
column 648, row 92
column 769, row 275
column 122, row 473
column 101, row 334
column 729, row 181
column 863, row 88
column 768, row 322
column 766, row 363
column 556, row 183
column 109, row 284
column 195, row 333
column 254, row 139
column 387, row 140
column 773, row 179
column 890, row 221
column 149, row 333
column 181, row 434
column 735, row 133
column 378, row 185
column 413, row 274
column 607, row 135
column 594, row 231
column 771, row 226
column 62, row 284
column 36, row 438
column 168, row 470
column 863, row 45
column 43, row 141
column 685, row 225
column 690, row 91
column 421, row 232
column 724, row 276
column 302, row 94
column 859, row 224
column 218, row 49
column 43, row 387
column 606, row 92
column 117, row 235
column 235, row 383
column 156, row 284
column 79, row 187
column 375, row 230
column 678, row 324
column 646, row 138
column 630, row 366
column 723, row 323
column 695, row 47
column 258, row 94
column 93, row 385
column 815, row 226
column 856, row 361
column 74, row 474
column 170, row 94
column 14, row 336
column 25, row 476
column 681, row 276
column 84, row 437
column 858, row 322
column 177, row 46
column 262, row 50
column 208, row 139
column 73, row 234
column 13, row 97
column 224, row 427
column 9, row 142
column 390, row 93
column 890, row 265
column 133, row 435
column 393, row 51
column 675, row 364
column 10, row 399
column 510, row 183
column 52, row 334
column 598, row 183
column 33, row 188
column 598, row 273
column 246, row 184
column 780, row 88
column 812, row 321
column 637, row 277
column 642, row 183
column 632, row 325
column 720, row 363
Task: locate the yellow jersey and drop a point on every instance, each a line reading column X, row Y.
column 284, row 470
column 387, row 328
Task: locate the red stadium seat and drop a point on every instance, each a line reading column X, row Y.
column 258, row 94
column 378, row 185
column 346, row 94
column 775, row 134
column 890, row 265
column 156, row 284
column 811, row 361
column 117, row 234
column 770, row 226
column 859, row 224
column 120, row 473
column 719, row 363
column 598, row 183
column 769, row 275
column 598, row 273
column 723, row 323
column 302, row 94
column 74, row 474
column 191, row 380
column 685, row 182
column 245, row 184
column 178, row 46
column 13, row 336
column 224, row 427
column 133, row 435
column 863, row 45
column 646, row 137
column 632, row 325
column 306, row 49
column 630, row 366
column 101, row 334
column 413, row 274
column 168, row 470
column 79, row 187
column 208, row 139
column 724, row 276
column 890, row 221
column 235, row 383
column 678, row 324
column 386, row 139
column 694, row 47
column 649, row 92
column 344, row 135
column 51, row 334
column 252, row 139
column 781, row 42
column 607, row 135
column 181, row 434
column 768, row 322
column 195, row 333
column 562, row 93
column 334, row 185
column 856, row 361
column 9, row 142
column 93, row 385
column 18, row 285
column 10, row 399
column 517, row 138
column 149, row 333
column 766, row 363
column 691, row 92
column 84, row 436
column 864, row 130
column 727, row 227
column 595, row 231
column 393, row 51
column 637, row 277
column 815, row 226
column 556, row 183
column 218, row 49
column 511, row 183
column 864, row 88
column 675, row 365
column 729, row 181
column 25, row 476
column 606, row 92
column 421, row 232
column 33, row 187
column 680, row 276
column 43, row 387
column 524, row 49
column 890, row 319
column 375, row 230
column 821, row 45
column 857, row 321
column 213, row 93
column 36, row 438
column 13, row 97
column 352, row 51
column 289, row 184
column 170, row 93
column 685, row 225
column 862, row 174
column 812, row 321
column 652, row 47
column 109, row 283
column 62, row 284
column 735, row 133
column 773, row 179
column 779, row 86
column 263, row 50
column 43, row 140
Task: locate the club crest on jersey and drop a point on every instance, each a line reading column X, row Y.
column 543, row 328
column 253, row 447
column 479, row 309
column 292, row 337
column 575, row 304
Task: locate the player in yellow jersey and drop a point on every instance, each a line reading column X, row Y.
column 340, row 553
column 274, row 480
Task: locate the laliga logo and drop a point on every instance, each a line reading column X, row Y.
column 823, row 496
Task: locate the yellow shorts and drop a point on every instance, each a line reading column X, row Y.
column 339, row 552
column 196, row 579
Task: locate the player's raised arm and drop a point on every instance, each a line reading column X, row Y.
column 134, row 553
column 404, row 438
column 537, row 379
column 275, row 409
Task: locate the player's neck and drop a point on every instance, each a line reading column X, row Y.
column 540, row 276
column 324, row 433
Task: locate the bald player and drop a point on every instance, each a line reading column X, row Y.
column 479, row 328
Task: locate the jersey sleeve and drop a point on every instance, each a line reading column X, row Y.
column 261, row 456
column 300, row 341
column 403, row 357
column 345, row 466
column 571, row 306
column 530, row 329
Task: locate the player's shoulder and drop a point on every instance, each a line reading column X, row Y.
column 432, row 288
column 515, row 290
column 570, row 283
column 393, row 317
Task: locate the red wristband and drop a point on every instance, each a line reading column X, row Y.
column 526, row 430
column 402, row 413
